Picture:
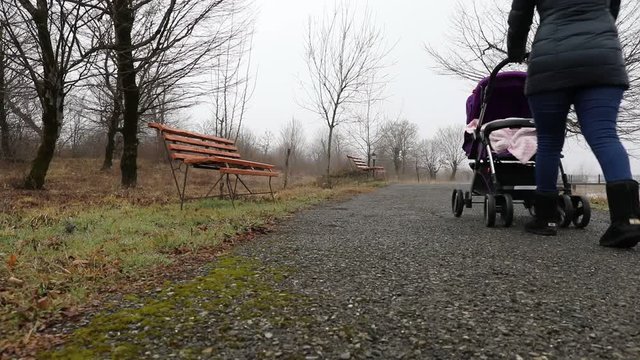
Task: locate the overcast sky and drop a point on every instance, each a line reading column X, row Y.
column 417, row 91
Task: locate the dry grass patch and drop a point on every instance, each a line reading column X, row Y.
column 62, row 247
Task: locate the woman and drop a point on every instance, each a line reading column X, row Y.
column 577, row 60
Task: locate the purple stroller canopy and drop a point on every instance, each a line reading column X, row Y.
column 507, row 100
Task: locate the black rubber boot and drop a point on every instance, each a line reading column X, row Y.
column 624, row 208
column 546, row 210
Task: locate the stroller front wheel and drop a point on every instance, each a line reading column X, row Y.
column 457, row 202
column 489, row 210
column 566, row 211
column 506, row 209
column 581, row 211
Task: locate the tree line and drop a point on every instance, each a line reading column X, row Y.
column 117, row 63
column 78, row 73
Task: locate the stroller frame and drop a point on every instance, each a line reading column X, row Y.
column 498, row 197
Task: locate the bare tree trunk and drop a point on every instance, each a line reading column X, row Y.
column 123, row 24
column 454, row 171
column 51, row 94
column 51, row 123
column 286, row 168
column 5, row 148
column 397, row 162
column 114, row 121
column 329, row 157
column 111, row 145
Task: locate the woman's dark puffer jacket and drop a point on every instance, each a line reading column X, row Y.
column 577, row 44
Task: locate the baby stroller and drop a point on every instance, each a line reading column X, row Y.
column 498, row 104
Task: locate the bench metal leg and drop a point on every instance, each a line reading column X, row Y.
column 273, row 197
column 184, row 187
column 235, row 185
column 232, row 195
column 243, row 184
column 214, row 186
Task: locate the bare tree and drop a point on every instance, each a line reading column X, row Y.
column 21, row 99
column 449, row 140
column 365, row 131
column 48, row 43
column 247, row 144
column 103, row 100
column 399, row 141
column 342, row 55
column 265, row 142
column 430, row 157
column 477, row 43
column 5, row 148
column 291, row 140
column 232, row 83
column 159, row 44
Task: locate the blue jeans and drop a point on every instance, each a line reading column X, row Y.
column 597, row 110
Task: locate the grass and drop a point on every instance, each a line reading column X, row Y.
column 62, row 248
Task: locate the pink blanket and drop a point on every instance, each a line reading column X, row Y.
column 521, row 143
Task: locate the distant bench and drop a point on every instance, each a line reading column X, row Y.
column 202, row 151
column 361, row 165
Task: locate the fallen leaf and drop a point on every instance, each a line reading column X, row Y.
column 71, row 312
column 80, row 262
column 15, row 281
column 43, row 303
column 11, row 263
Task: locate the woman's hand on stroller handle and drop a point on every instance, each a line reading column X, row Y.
column 519, row 59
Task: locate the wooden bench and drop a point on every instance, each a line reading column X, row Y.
column 362, row 165
column 191, row 149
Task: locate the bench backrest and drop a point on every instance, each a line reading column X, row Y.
column 184, row 144
column 358, row 162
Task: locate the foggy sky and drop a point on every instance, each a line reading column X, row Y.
column 416, row 91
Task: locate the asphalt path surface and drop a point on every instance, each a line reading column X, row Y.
column 412, row 281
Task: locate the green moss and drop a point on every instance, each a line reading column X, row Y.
column 236, row 284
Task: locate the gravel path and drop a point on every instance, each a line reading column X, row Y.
column 424, row 284
column 393, row 275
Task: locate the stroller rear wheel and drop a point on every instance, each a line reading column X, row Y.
column 468, row 201
column 506, row 209
column 581, row 211
column 566, row 211
column 489, row 210
column 457, row 203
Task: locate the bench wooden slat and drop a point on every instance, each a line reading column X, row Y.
column 193, row 159
column 237, row 171
column 361, row 164
column 191, row 134
column 185, row 140
column 248, row 163
column 201, row 150
column 224, row 160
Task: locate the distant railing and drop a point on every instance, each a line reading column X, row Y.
column 591, row 179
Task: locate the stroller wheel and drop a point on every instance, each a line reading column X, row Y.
column 457, row 203
column 506, row 209
column 581, row 211
column 566, row 211
column 468, row 200
column 489, row 210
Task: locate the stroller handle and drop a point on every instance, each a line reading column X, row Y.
column 495, row 73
